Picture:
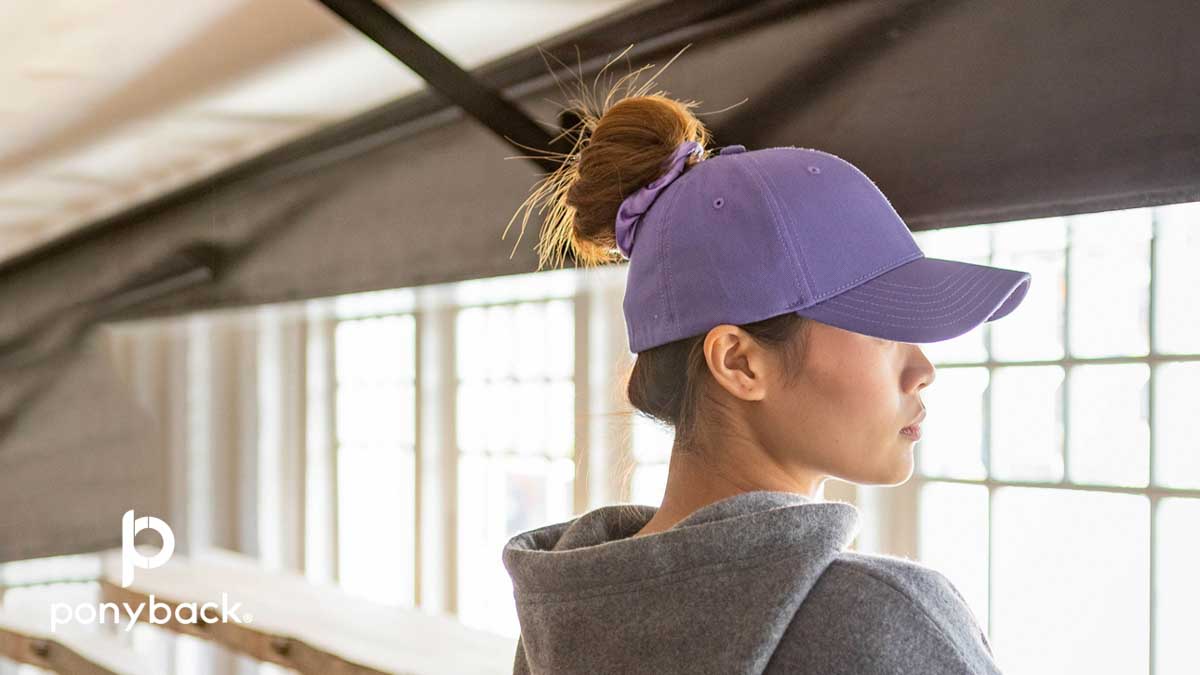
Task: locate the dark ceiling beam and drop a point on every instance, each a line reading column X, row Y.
column 447, row 78
column 647, row 29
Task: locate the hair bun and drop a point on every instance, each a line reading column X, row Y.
column 618, row 148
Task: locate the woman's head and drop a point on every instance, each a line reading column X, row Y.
column 814, row 397
column 837, row 411
column 818, row 400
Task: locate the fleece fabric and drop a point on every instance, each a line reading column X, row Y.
column 760, row 582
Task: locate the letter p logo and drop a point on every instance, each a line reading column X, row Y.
column 130, row 557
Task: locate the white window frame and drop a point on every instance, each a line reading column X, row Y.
column 904, row 504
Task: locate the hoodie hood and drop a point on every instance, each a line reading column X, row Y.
column 718, row 589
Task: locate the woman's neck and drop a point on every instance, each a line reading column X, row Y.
column 695, row 480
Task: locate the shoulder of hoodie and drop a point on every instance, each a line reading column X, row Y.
column 882, row 614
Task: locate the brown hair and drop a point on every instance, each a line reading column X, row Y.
column 620, row 146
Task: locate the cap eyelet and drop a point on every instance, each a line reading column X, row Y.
column 814, row 169
column 718, row 202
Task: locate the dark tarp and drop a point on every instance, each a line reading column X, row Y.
column 975, row 112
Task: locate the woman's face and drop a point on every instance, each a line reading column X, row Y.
column 843, row 414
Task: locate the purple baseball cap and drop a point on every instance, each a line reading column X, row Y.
column 744, row 236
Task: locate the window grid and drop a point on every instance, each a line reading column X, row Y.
column 1153, row 491
column 376, row 362
column 567, row 333
column 513, row 359
column 652, row 442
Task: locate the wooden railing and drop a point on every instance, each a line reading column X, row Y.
column 26, row 638
column 274, row 616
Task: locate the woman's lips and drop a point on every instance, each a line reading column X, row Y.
column 913, row 432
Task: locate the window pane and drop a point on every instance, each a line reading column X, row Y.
column 968, row 244
column 971, row 242
column 498, row 498
column 481, row 520
column 353, row 361
column 966, row 348
column 538, row 415
column 1110, row 283
column 652, row 440
column 649, row 484
column 1178, row 594
column 376, row 412
column 951, row 442
column 470, row 334
column 376, row 430
column 652, row 443
column 1177, row 424
column 1110, row 424
column 1026, row 423
column 560, row 338
column 560, row 418
column 499, row 349
column 954, row 539
column 1071, row 592
column 472, row 414
column 516, row 437
column 532, row 418
column 1034, row 329
column 530, row 322
column 1177, row 285
column 376, row 516
column 502, row 403
column 380, row 349
column 402, row 343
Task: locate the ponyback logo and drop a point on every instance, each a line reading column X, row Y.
column 151, row 609
column 130, row 558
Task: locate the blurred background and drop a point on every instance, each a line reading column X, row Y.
column 252, row 282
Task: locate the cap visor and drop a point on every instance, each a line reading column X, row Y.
column 924, row 300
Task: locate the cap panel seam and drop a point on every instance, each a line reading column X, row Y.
column 798, row 251
column 803, row 285
column 630, row 330
column 664, row 244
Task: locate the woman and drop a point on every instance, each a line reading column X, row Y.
column 775, row 301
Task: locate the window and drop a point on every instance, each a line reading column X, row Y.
column 516, row 440
column 1059, row 478
column 1058, row 482
column 376, row 437
column 652, row 443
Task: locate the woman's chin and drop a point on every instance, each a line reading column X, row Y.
column 897, row 471
column 900, row 470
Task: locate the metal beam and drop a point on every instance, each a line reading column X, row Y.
column 446, row 77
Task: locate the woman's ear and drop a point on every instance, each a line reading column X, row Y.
column 737, row 362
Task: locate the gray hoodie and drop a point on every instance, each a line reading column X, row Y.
column 760, row 582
